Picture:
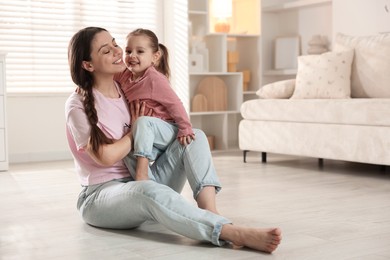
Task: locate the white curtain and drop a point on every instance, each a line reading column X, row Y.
column 35, row 34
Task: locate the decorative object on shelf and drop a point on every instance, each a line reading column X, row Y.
column 202, row 50
column 222, row 10
column 317, row 45
column 232, row 59
column 214, row 89
column 199, row 55
column 199, row 103
column 195, row 61
column 246, row 77
column 211, row 140
column 287, row 50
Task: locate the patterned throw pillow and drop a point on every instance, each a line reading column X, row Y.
column 278, row 89
column 370, row 75
column 324, row 76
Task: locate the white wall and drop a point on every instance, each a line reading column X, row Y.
column 310, row 19
column 36, row 127
column 361, row 17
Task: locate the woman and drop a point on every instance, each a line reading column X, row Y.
column 97, row 117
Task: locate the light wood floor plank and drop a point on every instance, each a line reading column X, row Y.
column 340, row 211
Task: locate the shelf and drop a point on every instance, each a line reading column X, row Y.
column 234, row 34
column 213, row 113
column 200, row 6
column 245, row 18
column 233, row 83
column 215, row 73
column 244, row 39
column 242, row 35
column 193, row 12
column 285, row 72
column 249, row 92
column 235, row 148
column 293, row 5
column 3, row 119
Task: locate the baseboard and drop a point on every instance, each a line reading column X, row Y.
column 40, row 157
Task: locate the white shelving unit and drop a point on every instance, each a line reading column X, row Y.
column 296, row 4
column 3, row 129
column 223, row 125
column 303, row 18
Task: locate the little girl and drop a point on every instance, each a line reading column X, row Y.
column 146, row 80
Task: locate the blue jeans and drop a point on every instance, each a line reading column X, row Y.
column 152, row 136
column 123, row 204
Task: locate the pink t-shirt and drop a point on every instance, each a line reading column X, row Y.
column 113, row 114
column 155, row 90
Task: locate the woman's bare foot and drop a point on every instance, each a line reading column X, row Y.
column 266, row 240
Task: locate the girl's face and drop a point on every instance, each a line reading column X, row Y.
column 139, row 54
column 106, row 56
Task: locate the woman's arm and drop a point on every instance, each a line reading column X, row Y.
column 109, row 154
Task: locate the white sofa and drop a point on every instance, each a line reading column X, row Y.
column 308, row 116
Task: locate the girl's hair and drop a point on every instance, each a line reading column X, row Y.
column 162, row 65
column 79, row 50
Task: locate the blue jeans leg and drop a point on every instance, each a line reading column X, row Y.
column 192, row 162
column 124, row 205
column 152, row 136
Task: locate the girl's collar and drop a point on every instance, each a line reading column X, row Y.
column 143, row 76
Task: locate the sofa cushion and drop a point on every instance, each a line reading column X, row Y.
column 324, row 76
column 368, row 111
column 370, row 75
column 278, row 89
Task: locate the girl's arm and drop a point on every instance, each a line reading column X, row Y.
column 165, row 95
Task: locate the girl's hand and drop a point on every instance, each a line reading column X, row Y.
column 137, row 109
column 185, row 140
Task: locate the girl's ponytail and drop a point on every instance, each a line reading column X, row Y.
column 163, row 63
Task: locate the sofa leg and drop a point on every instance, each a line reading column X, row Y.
column 321, row 162
column 263, row 157
column 244, row 155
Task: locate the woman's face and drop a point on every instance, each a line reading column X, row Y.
column 106, row 55
column 139, row 54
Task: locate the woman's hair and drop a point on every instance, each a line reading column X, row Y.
column 162, row 65
column 79, row 50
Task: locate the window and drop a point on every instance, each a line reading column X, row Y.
column 35, row 34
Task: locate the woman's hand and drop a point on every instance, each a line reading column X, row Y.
column 137, row 109
column 185, row 140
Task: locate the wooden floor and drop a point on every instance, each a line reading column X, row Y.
column 341, row 211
